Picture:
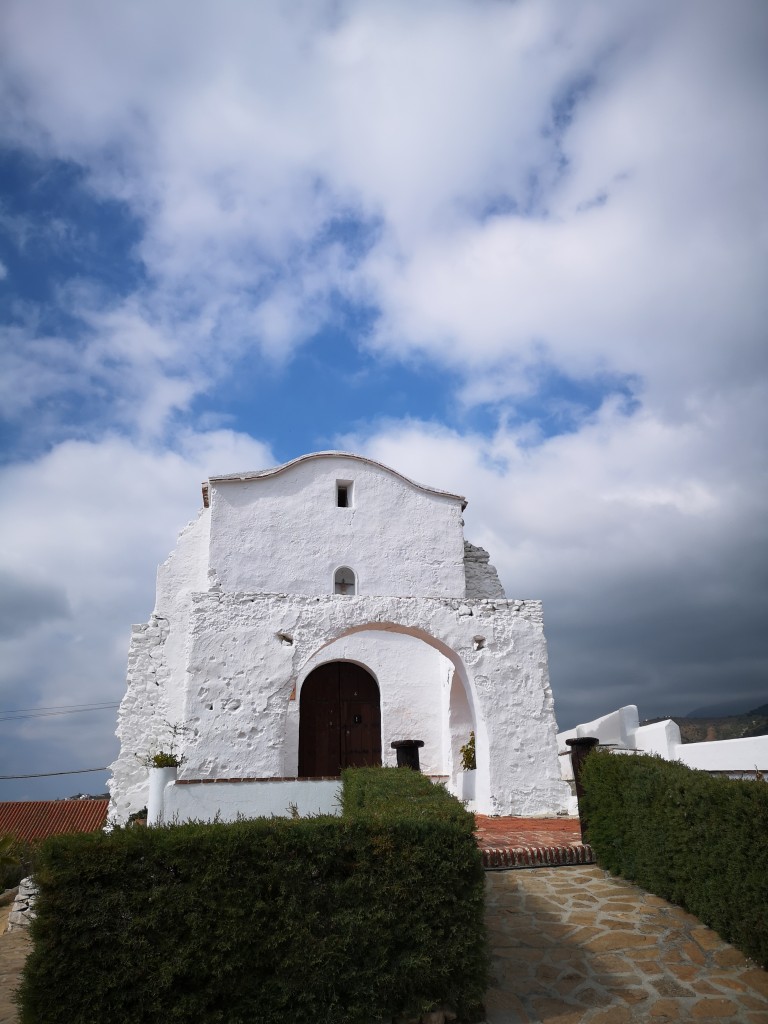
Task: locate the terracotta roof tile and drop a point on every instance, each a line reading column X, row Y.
column 38, row 819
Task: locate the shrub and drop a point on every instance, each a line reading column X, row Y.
column 270, row 920
column 695, row 840
column 16, row 860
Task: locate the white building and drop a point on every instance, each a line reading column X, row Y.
column 312, row 614
column 621, row 732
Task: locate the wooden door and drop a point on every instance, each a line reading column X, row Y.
column 339, row 720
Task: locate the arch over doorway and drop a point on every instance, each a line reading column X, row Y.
column 339, row 720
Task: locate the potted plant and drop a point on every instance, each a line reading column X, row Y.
column 163, row 768
column 468, row 769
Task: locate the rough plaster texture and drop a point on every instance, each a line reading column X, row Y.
column 245, row 612
column 481, row 578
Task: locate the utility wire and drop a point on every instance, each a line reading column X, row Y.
column 45, row 775
column 15, row 716
column 55, row 707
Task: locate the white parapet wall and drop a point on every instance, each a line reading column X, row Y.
column 620, row 730
column 746, row 755
column 228, row 800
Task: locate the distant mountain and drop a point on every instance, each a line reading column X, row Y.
column 725, row 727
column 725, row 709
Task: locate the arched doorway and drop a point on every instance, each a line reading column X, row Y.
column 339, row 720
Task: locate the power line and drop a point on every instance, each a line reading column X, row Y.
column 58, row 707
column 45, row 775
column 15, row 716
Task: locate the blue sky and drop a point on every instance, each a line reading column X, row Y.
column 514, row 250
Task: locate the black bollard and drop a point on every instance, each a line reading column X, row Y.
column 580, row 747
column 407, row 753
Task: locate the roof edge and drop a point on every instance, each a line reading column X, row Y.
column 262, row 474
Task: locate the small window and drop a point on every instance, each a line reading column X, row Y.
column 344, row 581
column 344, row 494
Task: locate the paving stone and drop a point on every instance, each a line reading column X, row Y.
column 694, row 952
column 614, row 1015
column 669, row 987
column 735, row 984
column 504, row 1008
column 706, row 938
column 682, row 916
column 619, row 940
column 722, row 1008
column 753, row 1004
column 566, row 986
column 729, row 957
column 591, row 996
column 555, row 1010
column 609, row 962
column 704, row 988
column 666, row 1008
column 684, row 972
column 758, row 980
column 546, row 972
column 650, row 953
column 633, row 995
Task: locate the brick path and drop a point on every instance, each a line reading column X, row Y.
column 530, row 842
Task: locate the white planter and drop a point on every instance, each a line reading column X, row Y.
column 467, row 785
column 159, row 778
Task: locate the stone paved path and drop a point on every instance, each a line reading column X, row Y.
column 572, row 945
column 14, row 947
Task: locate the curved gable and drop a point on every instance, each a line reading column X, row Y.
column 262, row 474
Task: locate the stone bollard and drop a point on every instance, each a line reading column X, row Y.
column 407, row 753
column 580, row 747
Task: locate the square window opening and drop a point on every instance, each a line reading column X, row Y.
column 343, row 493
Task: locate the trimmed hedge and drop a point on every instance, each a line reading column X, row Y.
column 269, row 920
column 692, row 839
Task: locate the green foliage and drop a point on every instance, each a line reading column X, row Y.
column 165, row 759
column 16, row 860
column 695, row 840
column 340, row 920
column 468, row 758
column 170, row 758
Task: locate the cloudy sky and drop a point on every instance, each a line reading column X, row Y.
column 513, row 248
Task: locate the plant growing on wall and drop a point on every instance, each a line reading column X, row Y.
column 468, row 759
column 167, row 757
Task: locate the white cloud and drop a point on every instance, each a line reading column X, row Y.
column 238, row 136
column 644, row 536
column 90, row 522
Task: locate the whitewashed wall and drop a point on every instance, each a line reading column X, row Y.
column 282, row 532
column 622, row 730
column 242, row 673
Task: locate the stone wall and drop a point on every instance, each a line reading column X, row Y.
column 481, row 578
column 23, row 909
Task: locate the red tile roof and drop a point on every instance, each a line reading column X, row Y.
column 38, row 819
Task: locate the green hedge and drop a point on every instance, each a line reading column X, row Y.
column 270, row 920
column 695, row 840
